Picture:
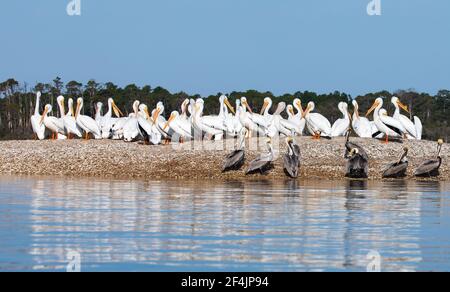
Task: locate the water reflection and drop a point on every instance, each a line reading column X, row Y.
column 234, row 225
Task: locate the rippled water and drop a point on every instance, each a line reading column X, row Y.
column 223, row 226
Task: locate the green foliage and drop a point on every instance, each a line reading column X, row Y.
column 17, row 102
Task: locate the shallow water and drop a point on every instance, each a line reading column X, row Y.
column 223, row 226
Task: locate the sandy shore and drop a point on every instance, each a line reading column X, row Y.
column 117, row 159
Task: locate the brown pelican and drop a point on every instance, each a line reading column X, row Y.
column 357, row 165
column 292, row 158
column 236, row 159
column 398, row 168
column 431, row 167
column 263, row 162
column 350, row 145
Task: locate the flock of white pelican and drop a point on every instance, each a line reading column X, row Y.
column 191, row 123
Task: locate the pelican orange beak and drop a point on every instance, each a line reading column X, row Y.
column 77, row 110
column 155, row 115
column 291, row 110
column 146, row 113
column 171, row 118
column 264, row 107
column 248, row 106
column 43, row 116
column 374, row 106
column 403, row 106
column 116, row 110
column 307, row 110
column 63, row 108
column 230, row 107
column 299, row 104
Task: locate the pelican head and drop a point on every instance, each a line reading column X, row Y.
column 199, row 105
column 355, row 108
column 290, row 110
column 297, row 103
column 172, row 117
column 245, row 104
column 267, row 104
column 47, row 109
column 383, row 112
column 354, row 151
column 184, row 105
column 136, row 104
column 227, row 103
column 440, row 143
column 378, row 103
column 70, row 104
column 79, row 106
column 397, row 103
column 280, row 108
column 144, row 109
column 60, row 101
column 115, row 108
column 311, row 106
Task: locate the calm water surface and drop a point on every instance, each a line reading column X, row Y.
column 223, row 226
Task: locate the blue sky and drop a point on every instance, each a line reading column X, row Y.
column 210, row 46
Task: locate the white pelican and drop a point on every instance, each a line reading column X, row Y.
column 209, row 125
column 86, row 123
column 297, row 118
column 246, row 121
column 117, row 128
column 219, row 122
column 131, row 128
column 362, row 126
column 52, row 123
column 160, row 122
column 385, row 124
column 70, row 124
column 341, row 126
column 419, row 127
column 106, row 122
column 59, row 122
column 236, row 123
column 146, row 126
column 185, row 109
column 98, row 112
column 38, row 127
column 280, row 125
column 225, row 115
column 410, row 127
column 182, row 127
column 317, row 124
column 264, row 119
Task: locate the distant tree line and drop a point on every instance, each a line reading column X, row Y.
column 17, row 102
